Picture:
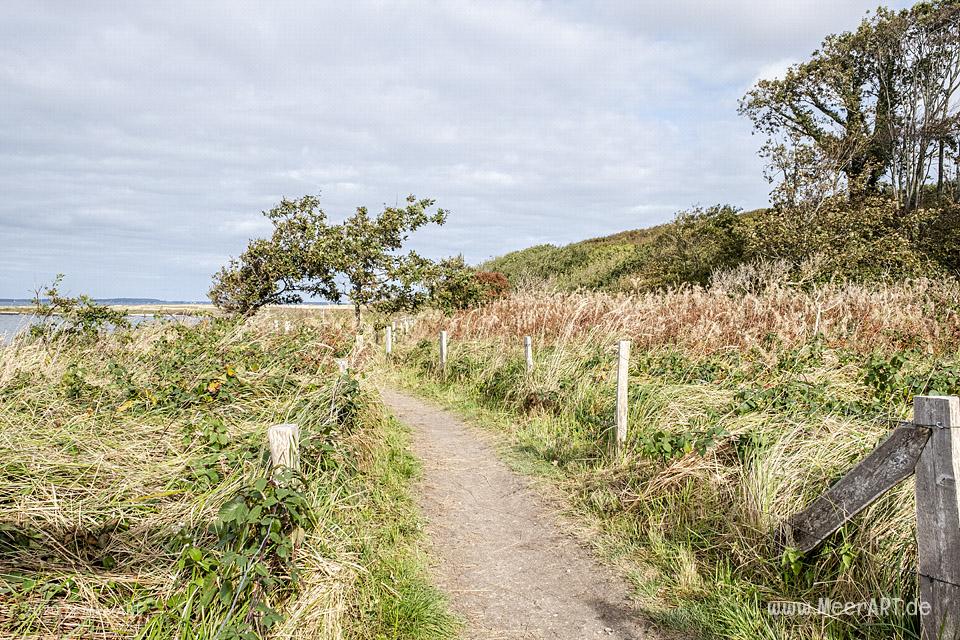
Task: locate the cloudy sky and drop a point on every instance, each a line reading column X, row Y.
column 140, row 141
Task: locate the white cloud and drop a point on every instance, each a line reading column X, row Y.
column 150, row 139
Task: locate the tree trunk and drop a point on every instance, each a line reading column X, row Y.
column 940, row 173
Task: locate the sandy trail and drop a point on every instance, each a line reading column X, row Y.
column 501, row 557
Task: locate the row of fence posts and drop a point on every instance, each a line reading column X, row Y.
column 392, row 330
column 619, row 432
column 928, row 447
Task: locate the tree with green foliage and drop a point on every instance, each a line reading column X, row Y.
column 876, row 104
column 360, row 259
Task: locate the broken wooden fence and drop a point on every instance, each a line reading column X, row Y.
column 929, row 448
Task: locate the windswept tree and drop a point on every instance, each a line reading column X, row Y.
column 361, row 259
column 876, row 105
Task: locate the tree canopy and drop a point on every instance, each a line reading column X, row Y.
column 876, row 104
column 360, row 259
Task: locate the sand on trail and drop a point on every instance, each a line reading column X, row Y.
column 499, row 552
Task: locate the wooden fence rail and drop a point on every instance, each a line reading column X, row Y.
column 929, row 449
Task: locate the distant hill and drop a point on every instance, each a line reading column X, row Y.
column 25, row 302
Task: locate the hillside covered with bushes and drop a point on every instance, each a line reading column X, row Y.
column 865, row 241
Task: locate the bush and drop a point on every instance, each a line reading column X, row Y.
column 872, row 240
column 78, row 317
column 457, row 286
column 699, row 242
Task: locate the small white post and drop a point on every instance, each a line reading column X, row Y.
column 443, row 352
column 287, row 326
column 284, row 442
column 388, row 340
column 623, row 373
column 528, row 352
column 276, row 326
column 938, row 517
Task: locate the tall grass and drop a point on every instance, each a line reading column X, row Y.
column 745, row 403
column 119, row 458
column 739, row 313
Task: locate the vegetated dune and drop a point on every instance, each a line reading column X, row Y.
column 746, row 401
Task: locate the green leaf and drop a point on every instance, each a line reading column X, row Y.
column 233, row 511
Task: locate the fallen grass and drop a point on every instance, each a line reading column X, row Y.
column 136, row 499
column 742, row 409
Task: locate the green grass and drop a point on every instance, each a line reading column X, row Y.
column 721, row 449
column 136, row 498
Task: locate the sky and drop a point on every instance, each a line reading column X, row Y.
column 140, row 142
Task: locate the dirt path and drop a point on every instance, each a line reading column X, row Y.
column 503, row 561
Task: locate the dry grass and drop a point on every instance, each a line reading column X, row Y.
column 921, row 313
column 766, row 387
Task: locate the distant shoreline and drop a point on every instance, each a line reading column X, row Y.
column 180, row 308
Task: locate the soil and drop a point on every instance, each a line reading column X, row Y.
column 500, row 549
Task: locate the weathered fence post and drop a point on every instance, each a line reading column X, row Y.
column 928, row 448
column 388, row 340
column 623, row 373
column 443, row 352
column 284, row 442
column 528, row 352
column 938, row 516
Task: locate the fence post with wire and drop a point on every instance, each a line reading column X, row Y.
column 929, row 449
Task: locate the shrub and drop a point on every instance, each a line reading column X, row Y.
column 78, row 317
column 872, row 240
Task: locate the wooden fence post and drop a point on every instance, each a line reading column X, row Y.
column 938, row 517
column 623, row 373
column 443, row 353
column 528, row 352
column 388, row 340
column 284, row 442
